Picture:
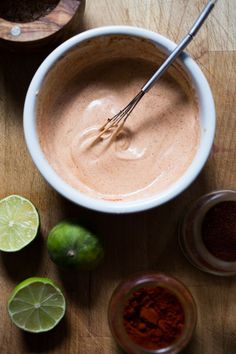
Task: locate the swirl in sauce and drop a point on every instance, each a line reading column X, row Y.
column 154, row 149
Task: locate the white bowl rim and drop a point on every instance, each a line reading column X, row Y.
column 30, row 131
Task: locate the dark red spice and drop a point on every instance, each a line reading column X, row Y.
column 25, row 10
column 219, row 231
column 154, row 317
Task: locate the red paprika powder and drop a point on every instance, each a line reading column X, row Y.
column 153, row 317
column 219, row 231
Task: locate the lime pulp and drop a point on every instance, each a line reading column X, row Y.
column 36, row 305
column 19, row 222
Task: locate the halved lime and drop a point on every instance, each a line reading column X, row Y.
column 36, row 305
column 19, row 222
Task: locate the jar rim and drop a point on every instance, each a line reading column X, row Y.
column 119, row 299
column 190, row 234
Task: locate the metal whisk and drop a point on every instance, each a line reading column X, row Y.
column 114, row 125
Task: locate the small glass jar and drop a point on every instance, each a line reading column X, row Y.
column 123, row 293
column 190, row 235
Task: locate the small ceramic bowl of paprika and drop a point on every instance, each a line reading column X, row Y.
column 207, row 233
column 152, row 313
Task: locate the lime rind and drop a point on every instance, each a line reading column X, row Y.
column 36, row 305
column 19, row 223
column 74, row 246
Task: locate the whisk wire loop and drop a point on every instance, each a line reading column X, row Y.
column 118, row 120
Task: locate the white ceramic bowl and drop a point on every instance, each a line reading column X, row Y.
column 206, row 111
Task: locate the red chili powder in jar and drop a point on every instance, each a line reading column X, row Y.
column 219, row 231
column 154, row 317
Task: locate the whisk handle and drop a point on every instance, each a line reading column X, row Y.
column 181, row 46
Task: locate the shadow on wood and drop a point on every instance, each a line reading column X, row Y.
column 45, row 342
column 24, row 263
column 138, row 241
column 19, row 67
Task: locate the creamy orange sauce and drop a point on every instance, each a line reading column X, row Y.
column 156, row 146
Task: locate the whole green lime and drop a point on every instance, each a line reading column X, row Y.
column 71, row 245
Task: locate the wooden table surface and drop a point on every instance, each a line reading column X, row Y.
column 134, row 242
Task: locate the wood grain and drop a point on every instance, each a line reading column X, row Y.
column 134, row 242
